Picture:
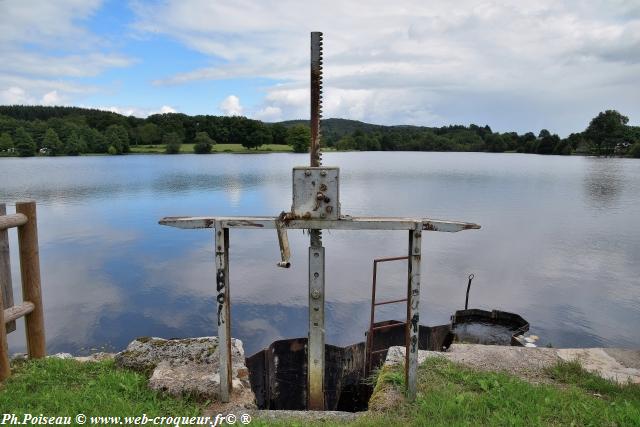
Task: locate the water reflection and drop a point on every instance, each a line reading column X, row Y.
column 603, row 181
column 111, row 273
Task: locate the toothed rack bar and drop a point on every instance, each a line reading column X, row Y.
column 345, row 223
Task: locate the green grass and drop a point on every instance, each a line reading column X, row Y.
column 217, row 148
column 452, row 395
column 57, row 387
column 448, row 395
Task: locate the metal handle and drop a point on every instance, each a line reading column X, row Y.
column 283, row 241
column 466, row 301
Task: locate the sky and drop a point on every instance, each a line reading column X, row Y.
column 514, row 65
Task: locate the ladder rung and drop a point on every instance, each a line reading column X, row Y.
column 18, row 311
column 380, row 351
column 395, row 325
column 390, row 302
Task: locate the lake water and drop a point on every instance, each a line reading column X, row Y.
column 559, row 244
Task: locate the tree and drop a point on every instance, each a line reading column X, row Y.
column 37, row 130
column 546, row 142
column 259, row 136
column 346, row 143
column 203, row 143
column 95, row 141
column 562, row 147
column 118, row 137
column 6, row 142
column 172, row 141
column 74, row 145
column 279, row 133
column 635, row 150
column 52, row 143
column 299, row 137
column 495, row 143
column 25, row 147
column 170, row 122
column 149, row 133
column 606, row 130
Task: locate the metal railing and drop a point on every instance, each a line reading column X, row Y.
column 372, row 328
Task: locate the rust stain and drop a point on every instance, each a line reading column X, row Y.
column 429, row 227
column 297, row 346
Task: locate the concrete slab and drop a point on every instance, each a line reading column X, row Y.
column 621, row 365
column 613, row 364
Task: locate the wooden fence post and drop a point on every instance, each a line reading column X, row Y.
column 5, row 271
column 5, row 369
column 30, row 273
column 5, row 294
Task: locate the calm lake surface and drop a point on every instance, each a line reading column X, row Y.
column 559, row 244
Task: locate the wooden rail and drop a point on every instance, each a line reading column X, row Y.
column 31, row 308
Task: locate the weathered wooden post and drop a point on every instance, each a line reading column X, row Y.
column 6, row 287
column 5, row 297
column 5, row 369
column 30, row 273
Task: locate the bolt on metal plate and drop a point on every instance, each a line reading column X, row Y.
column 316, row 193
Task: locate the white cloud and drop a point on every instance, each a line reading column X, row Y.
column 167, row 109
column 508, row 64
column 230, row 106
column 269, row 114
column 14, row 95
column 135, row 111
column 17, row 61
column 51, row 98
column 44, row 45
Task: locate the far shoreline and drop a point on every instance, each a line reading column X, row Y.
column 159, row 149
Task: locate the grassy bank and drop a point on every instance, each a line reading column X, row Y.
column 452, row 395
column 217, row 148
column 56, row 387
column 449, row 394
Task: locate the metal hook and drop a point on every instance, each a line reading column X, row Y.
column 466, row 301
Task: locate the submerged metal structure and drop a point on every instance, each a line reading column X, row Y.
column 316, row 207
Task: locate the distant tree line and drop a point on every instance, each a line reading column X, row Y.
column 53, row 131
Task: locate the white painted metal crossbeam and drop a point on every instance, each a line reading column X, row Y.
column 344, row 223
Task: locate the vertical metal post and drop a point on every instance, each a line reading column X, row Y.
column 369, row 349
column 223, row 299
column 315, row 350
column 5, row 271
column 413, row 312
column 30, row 273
